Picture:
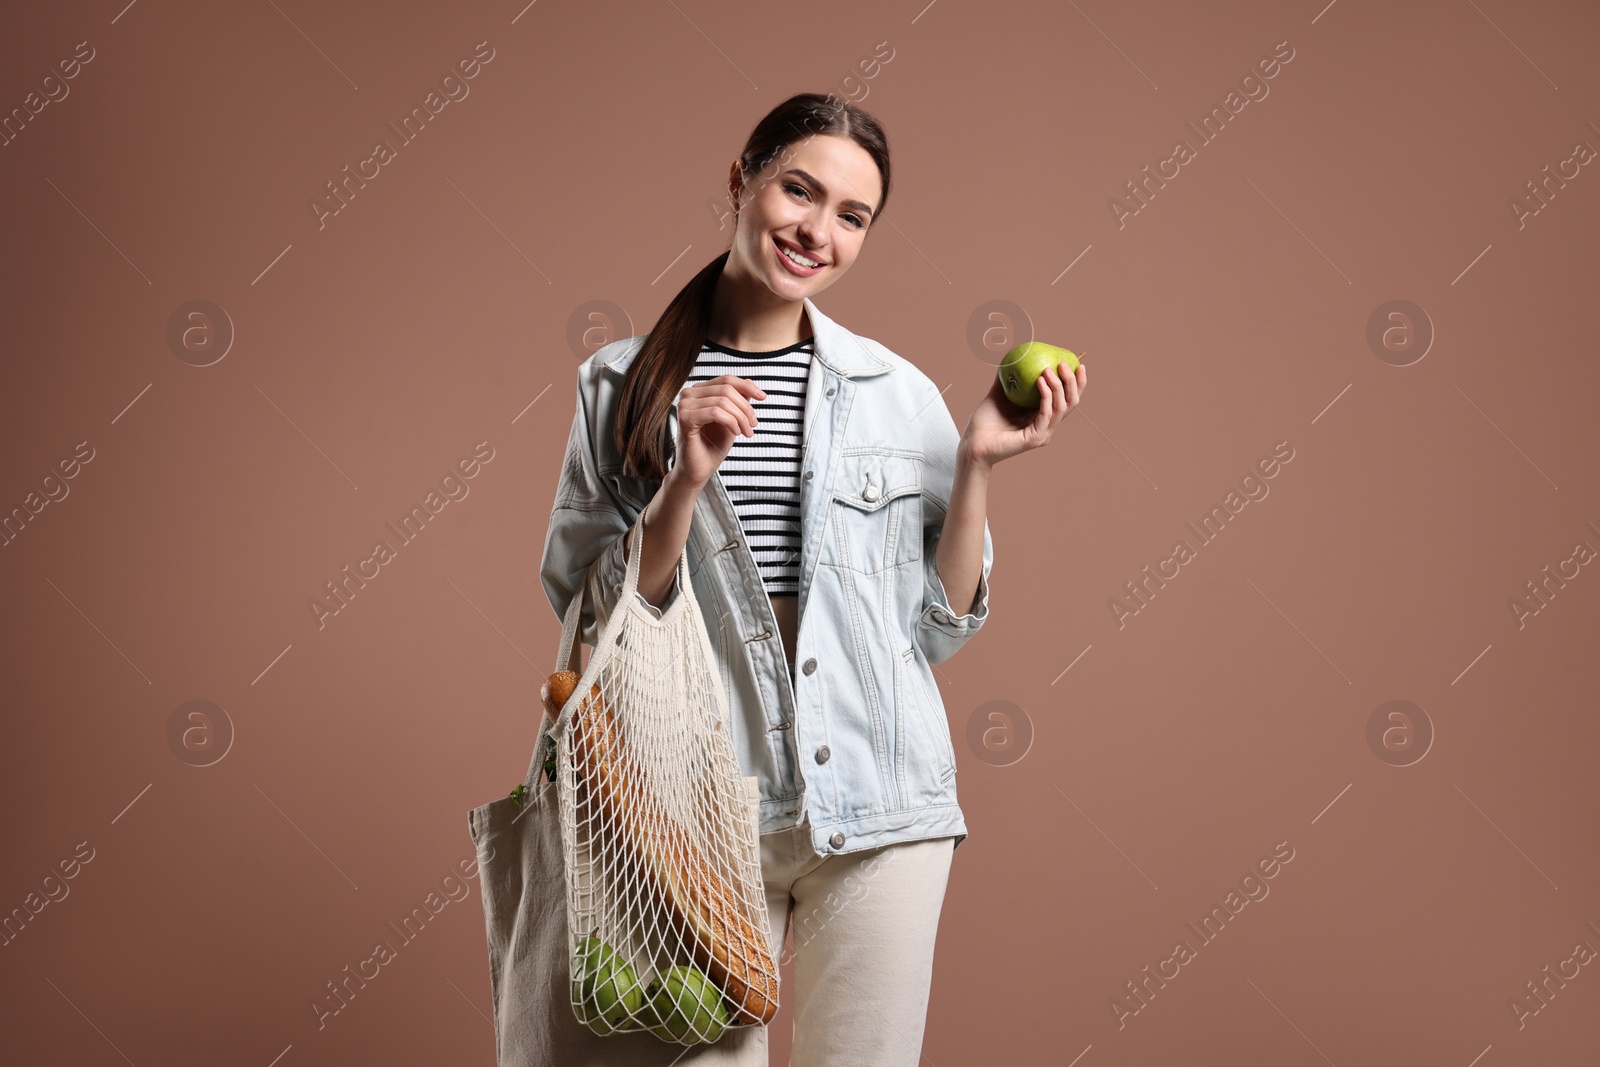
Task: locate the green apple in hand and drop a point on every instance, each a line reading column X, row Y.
column 1020, row 370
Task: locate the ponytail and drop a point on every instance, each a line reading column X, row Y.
column 659, row 370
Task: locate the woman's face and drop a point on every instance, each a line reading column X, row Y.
column 816, row 199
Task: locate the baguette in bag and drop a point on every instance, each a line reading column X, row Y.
column 705, row 908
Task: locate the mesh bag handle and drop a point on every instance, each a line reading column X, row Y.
column 569, row 655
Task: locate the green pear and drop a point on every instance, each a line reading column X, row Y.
column 604, row 987
column 687, row 1006
column 1020, row 370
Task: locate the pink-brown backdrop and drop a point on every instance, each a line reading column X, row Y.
column 1371, row 275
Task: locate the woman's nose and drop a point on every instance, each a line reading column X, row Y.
column 809, row 229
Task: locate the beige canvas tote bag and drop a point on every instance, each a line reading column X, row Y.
column 623, row 900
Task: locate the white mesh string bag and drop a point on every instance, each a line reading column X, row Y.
column 667, row 916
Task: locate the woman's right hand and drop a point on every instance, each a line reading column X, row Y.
column 711, row 416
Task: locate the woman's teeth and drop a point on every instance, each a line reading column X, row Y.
column 802, row 260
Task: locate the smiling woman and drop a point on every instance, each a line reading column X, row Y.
column 816, row 487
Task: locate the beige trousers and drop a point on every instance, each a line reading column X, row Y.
column 864, row 925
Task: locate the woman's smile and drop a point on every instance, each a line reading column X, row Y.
column 796, row 268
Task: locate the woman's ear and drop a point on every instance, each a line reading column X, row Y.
column 735, row 184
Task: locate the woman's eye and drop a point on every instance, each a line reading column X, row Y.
column 856, row 218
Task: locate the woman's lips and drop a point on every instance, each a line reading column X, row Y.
column 794, row 268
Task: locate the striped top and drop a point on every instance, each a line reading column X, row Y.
column 762, row 473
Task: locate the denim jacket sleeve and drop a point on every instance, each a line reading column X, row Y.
column 585, row 540
column 941, row 629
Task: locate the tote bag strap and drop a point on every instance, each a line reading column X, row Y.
column 568, row 658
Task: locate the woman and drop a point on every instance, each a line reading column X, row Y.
column 832, row 518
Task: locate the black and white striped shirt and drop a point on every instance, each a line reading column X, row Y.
column 762, row 473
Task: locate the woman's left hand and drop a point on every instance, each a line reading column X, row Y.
column 999, row 429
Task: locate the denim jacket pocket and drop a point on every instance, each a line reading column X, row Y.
column 930, row 725
column 876, row 515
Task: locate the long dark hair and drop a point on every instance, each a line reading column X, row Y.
column 673, row 345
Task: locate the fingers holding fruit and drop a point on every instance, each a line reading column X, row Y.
column 1060, row 391
column 1037, row 385
column 1075, row 380
column 1025, row 365
column 1052, row 400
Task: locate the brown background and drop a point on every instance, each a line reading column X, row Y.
column 586, row 164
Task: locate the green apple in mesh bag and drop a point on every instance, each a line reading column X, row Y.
column 687, row 1006
column 604, row 986
column 1021, row 367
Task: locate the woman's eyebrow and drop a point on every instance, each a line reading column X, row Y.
column 858, row 205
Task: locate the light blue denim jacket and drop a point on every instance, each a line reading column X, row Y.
column 860, row 741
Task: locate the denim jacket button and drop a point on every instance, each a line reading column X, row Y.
column 808, row 476
column 869, row 493
column 837, row 840
column 823, row 754
column 810, row 666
